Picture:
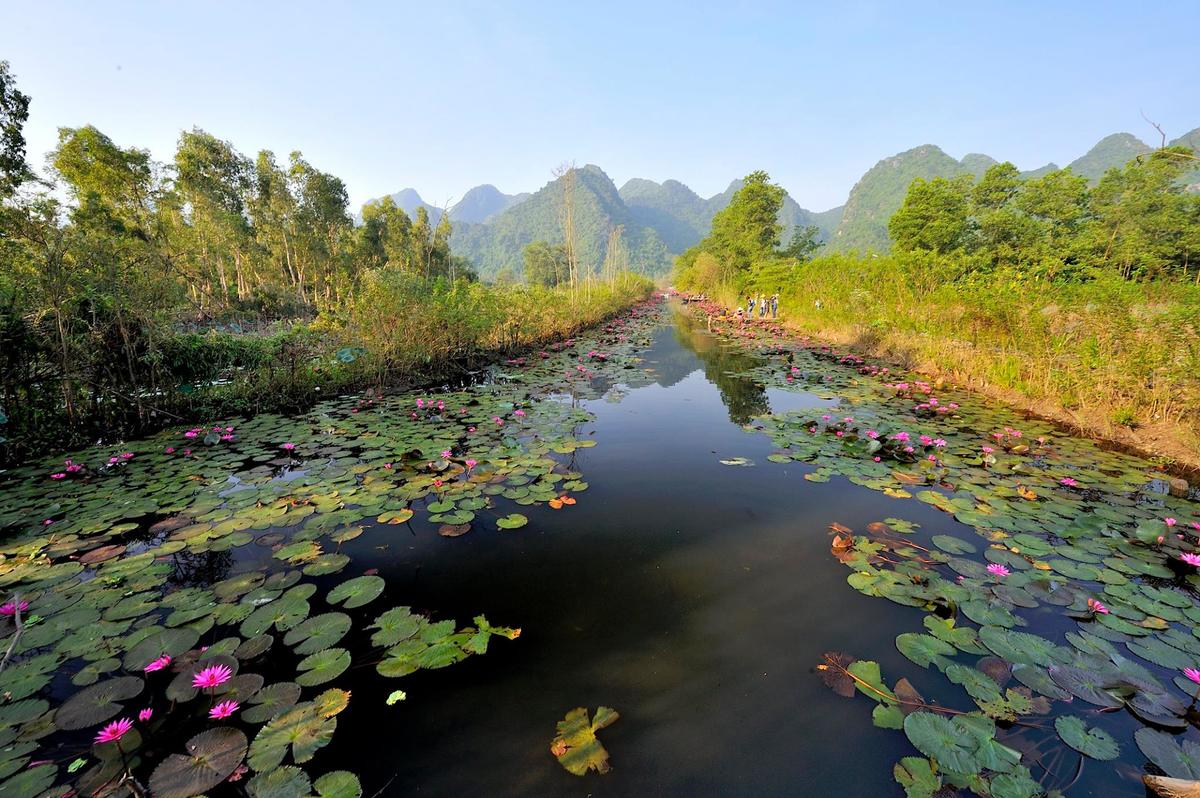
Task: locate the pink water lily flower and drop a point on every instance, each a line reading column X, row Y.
column 518, row 412
column 1170, row 521
column 1096, row 607
column 987, row 450
column 145, row 714
column 287, row 447
column 998, row 570
column 59, row 475
column 446, row 454
column 114, row 731
column 170, row 450
column 1192, row 674
column 11, row 607
column 1067, row 481
column 224, row 710
column 212, row 676
column 1191, row 559
column 471, row 464
column 158, row 664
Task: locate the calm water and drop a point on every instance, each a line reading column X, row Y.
column 693, row 597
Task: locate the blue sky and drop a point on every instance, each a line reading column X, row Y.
column 444, row 96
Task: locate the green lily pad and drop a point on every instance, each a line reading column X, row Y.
column 211, row 757
column 576, row 746
column 356, row 592
column 1096, row 743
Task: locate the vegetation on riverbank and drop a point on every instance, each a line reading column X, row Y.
column 135, row 294
column 1080, row 303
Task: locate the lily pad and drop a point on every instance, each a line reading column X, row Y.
column 211, row 757
column 1096, row 743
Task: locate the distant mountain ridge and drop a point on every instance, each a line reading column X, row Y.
column 661, row 220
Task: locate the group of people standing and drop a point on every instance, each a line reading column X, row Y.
column 764, row 304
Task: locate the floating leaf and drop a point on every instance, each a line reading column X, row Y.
column 284, row 782
column 95, row 704
column 211, row 757
column 356, row 592
column 322, row 667
column 576, row 746
column 1096, row 743
column 512, row 521
column 338, row 784
column 1180, row 759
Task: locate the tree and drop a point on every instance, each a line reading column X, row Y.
column 804, row 243
column 747, row 229
column 14, row 111
column 934, row 217
column 546, row 264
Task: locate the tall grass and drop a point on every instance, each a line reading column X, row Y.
column 1111, row 352
column 408, row 325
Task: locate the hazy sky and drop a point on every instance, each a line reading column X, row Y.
column 442, row 96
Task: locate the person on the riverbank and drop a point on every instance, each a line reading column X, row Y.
column 762, row 306
column 775, row 306
column 750, row 306
column 741, row 316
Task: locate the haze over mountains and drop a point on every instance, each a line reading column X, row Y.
column 661, row 220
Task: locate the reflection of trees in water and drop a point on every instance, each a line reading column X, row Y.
column 743, row 397
column 199, row 569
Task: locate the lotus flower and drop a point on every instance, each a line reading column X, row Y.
column 11, row 607
column 997, row 570
column 471, row 464
column 287, row 447
column 59, row 475
column 1191, row 559
column 224, row 710
column 158, row 664
column 170, row 450
column 145, row 714
column 212, row 676
column 114, row 731
column 987, row 449
column 1068, row 482
column 1170, row 521
column 1096, row 607
column 1193, row 674
column 518, row 412
column 446, row 454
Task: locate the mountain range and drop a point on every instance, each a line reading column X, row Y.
column 660, row 220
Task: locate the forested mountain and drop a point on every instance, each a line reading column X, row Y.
column 407, row 200
column 1111, row 151
column 482, row 202
column 1191, row 140
column 682, row 217
column 880, row 192
column 660, row 220
column 496, row 248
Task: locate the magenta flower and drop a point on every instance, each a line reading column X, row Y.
column 1192, row 674
column 11, row 607
column 114, row 731
column 471, row 464
column 145, row 714
column 223, row 710
column 158, row 664
column 212, row 676
column 420, row 403
column 1191, row 559
column 1096, row 607
column 190, row 433
column 446, row 454
column 170, row 450
column 1067, row 481
column 939, row 442
column 997, row 570
column 987, row 450
column 59, row 475
column 287, row 447
column 1170, row 521
column 470, row 429
column 872, row 434
column 518, row 412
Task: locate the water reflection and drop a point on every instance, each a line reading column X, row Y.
column 743, row 397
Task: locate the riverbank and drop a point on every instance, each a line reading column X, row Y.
column 398, row 332
column 920, row 343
